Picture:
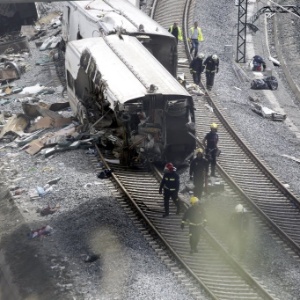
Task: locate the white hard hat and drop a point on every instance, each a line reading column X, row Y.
column 239, row 208
column 201, row 55
column 215, row 57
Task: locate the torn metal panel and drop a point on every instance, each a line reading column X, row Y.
column 143, row 100
column 40, row 109
column 9, row 71
column 15, row 46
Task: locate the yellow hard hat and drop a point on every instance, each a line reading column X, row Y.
column 214, row 126
column 194, row 200
column 199, row 150
column 239, row 208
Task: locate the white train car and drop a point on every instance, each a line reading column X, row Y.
column 85, row 19
column 114, row 81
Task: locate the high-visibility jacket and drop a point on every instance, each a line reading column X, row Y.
column 179, row 37
column 200, row 35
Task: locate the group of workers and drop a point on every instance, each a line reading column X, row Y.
column 195, row 215
column 198, row 65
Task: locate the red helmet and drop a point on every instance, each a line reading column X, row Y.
column 170, row 167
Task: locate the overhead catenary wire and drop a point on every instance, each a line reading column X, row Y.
column 282, row 7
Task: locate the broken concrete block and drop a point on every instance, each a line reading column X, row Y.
column 267, row 112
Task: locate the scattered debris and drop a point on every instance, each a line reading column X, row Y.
column 267, row 112
column 91, row 258
column 44, row 231
column 194, row 89
column 268, row 83
column 105, row 174
column 54, row 181
column 48, row 210
column 9, row 71
column 43, row 191
column 16, row 125
column 292, row 158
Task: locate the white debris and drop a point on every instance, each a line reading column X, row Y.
column 267, row 112
column 32, row 89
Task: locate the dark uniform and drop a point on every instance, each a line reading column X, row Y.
column 198, row 172
column 196, row 67
column 170, row 183
column 177, row 32
column 211, row 150
column 195, row 215
column 211, row 68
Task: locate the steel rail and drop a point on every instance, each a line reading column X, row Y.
column 280, row 224
column 138, row 188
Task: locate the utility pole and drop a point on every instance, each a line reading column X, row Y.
column 243, row 24
column 241, row 31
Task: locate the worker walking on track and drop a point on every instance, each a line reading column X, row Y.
column 211, row 65
column 170, row 184
column 195, row 217
column 176, row 31
column 211, row 147
column 239, row 222
column 196, row 68
column 199, row 172
column 195, row 36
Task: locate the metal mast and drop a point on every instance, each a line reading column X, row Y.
column 241, row 31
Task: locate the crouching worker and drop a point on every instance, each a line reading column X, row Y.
column 170, row 184
column 195, row 217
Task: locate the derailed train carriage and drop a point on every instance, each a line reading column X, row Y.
column 115, row 85
column 85, row 19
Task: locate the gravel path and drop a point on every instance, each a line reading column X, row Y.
column 264, row 258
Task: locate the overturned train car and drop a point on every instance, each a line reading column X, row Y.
column 85, row 19
column 116, row 86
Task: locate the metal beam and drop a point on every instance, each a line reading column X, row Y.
column 276, row 9
column 241, row 31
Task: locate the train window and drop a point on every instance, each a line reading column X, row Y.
column 70, row 80
column 84, row 60
column 92, row 69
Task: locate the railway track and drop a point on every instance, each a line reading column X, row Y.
column 239, row 166
column 220, row 275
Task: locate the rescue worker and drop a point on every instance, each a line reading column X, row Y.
column 196, row 68
column 195, row 217
column 199, row 172
column 195, row 36
column 211, row 65
column 239, row 222
column 176, row 31
column 258, row 63
column 210, row 141
column 170, row 184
